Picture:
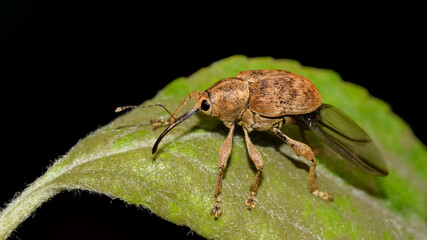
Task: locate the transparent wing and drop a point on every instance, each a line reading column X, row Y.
column 345, row 137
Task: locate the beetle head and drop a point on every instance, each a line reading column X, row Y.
column 226, row 100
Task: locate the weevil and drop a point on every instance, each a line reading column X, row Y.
column 267, row 100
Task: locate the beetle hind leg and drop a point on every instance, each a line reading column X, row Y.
column 312, row 185
column 302, row 149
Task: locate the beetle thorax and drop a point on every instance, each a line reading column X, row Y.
column 229, row 98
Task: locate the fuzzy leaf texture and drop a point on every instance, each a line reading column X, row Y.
column 177, row 182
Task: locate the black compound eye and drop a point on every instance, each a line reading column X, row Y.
column 205, row 105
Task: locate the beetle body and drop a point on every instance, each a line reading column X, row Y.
column 265, row 100
column 259, row 100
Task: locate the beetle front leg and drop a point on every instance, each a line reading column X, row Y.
column 302, row 149
column 224, row 154
column 259, row 164
column 171, row 119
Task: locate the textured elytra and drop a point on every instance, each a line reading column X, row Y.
column 275, row 93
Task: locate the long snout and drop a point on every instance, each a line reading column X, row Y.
column 178, row 121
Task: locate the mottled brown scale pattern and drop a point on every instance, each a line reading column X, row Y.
column 257, row 75
column 276, row 93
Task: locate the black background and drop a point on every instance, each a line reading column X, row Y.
column 66, row 65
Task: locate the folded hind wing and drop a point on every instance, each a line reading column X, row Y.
column 345, row 137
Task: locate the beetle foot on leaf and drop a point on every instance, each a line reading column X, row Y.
column 158, row 122
column 161, row 122
column 323, row 195
column 251, row 201
column 216, row 210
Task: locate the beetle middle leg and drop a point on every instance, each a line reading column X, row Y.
column 302, row 149
column 259, row 164
column 224, row 154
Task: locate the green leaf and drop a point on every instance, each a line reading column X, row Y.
column 177, row 182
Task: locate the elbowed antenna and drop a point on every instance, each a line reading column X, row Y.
column 178, row 121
